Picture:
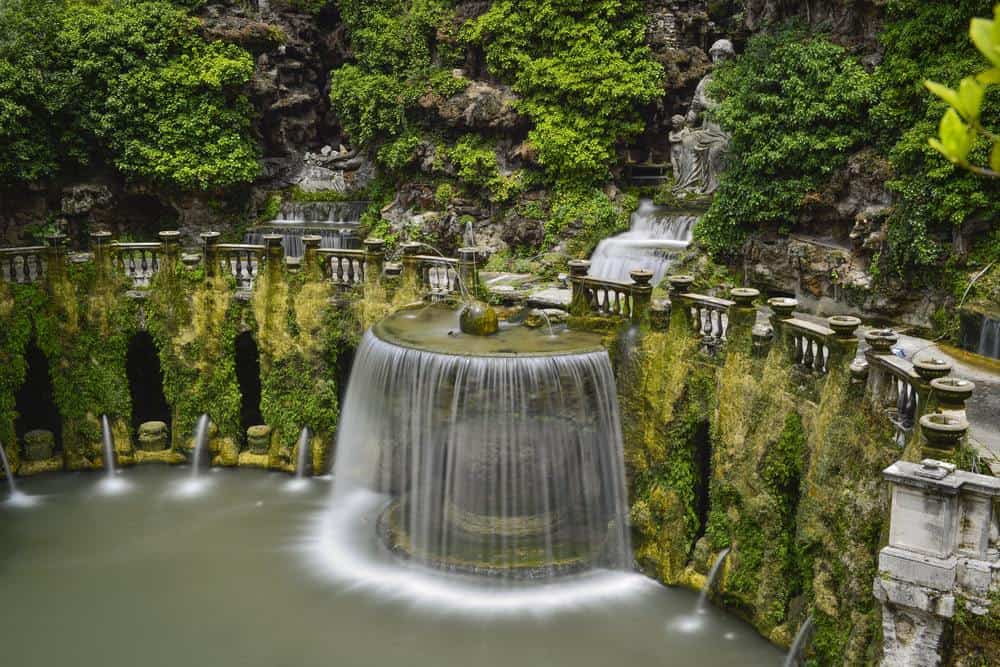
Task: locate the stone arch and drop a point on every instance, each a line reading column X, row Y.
column 145, row 381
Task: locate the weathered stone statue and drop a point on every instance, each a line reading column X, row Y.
column 700, row 151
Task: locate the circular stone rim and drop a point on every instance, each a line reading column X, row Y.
column 378, row 330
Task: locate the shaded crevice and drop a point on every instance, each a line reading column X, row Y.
column 248, row 379
column 345, row 363
column 145, row 381
column 35, row 400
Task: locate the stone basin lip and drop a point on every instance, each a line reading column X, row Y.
column 434, row 329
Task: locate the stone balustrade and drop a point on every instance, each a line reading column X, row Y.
column 22, row 265
column 437, row 275
column 595, row 296
column 138, row 262
column 241, row 260
column 942, row 552
column 344, row 268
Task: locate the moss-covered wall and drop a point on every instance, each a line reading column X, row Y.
column 82, row 319
column 795, row 488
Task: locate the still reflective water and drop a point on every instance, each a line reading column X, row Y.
column 233, row 577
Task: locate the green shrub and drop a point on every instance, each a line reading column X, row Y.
column 796, row 107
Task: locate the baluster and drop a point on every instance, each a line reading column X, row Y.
column 155, row 264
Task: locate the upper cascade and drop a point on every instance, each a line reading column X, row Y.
column 652, row 242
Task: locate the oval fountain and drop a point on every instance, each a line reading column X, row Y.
column 476, row 447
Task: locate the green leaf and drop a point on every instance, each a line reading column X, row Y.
column 995, row 157
column 989, row 77
column 945, row 93
column 985, row 35
column 970, row 94
column 956, row 138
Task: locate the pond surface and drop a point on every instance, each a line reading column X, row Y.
column 156, row 577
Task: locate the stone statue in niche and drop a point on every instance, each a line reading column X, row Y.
column 697, row 154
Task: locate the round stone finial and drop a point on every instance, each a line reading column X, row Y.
column 312, row 240
column 744, row 296
column 931, row 368
column 843, row 325
column 641, row 277
column 881, row 340
column 153, row 436
column 100, row 236
column 952, row 391
column 411, row 247
column 272, row 240
column 943, row 431
column 783, row 307
column 169, row 236
column 373, row 244
column 190, row 259
column 680, row 283
column 478, row 319
column 210, row 238
column 579, row 267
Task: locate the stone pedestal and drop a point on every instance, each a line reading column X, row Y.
column 258, row 450
column 153, row 436
column 938, row 554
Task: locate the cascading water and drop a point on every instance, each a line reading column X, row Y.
column 498, row 455
column 656, row 235
column 336, row 223
column 302, row 461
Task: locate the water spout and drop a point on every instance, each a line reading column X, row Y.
column 200, row 443
column 111, row 484
column 713, row 574
column 15, row 498
column 303, row 453
column 109, row 447
column 802, row 638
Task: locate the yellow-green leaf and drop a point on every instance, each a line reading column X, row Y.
column 985, row 35
column 956, row 138
column 995, row 157
column 970, row 95
column 945, row 93
column 989, row 77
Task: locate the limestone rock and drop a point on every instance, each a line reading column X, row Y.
column 481, row 106
column 82, row 199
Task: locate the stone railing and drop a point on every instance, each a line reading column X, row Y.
column 138, row 262
column 942, row 553
column 595, row 296
column 344, row 268
column 22, row 265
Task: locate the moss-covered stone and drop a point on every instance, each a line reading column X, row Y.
column 38, row 444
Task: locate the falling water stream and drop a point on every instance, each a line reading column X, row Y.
column 303, row 453
column 989, row 338
column 794, row 657
column 111, row 484
column 15, row 498
column 200, row 443
column 713, row 574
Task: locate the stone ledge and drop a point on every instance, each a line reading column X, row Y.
column 890, row 591
column 164, row 456
column 29, row 468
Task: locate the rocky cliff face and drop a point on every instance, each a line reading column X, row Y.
column 303, row 147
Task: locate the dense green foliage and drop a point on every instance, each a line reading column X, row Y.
column 582, row 70
column 126, row 82
column 928, row 40
column 796, row 107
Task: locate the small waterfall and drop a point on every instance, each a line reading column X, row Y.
column 200, row 444
column 652, row 243
column 109, row 447
column 802, row 637
column 336, row 223
column 303, row 453
column 989, row 338
column 713, row 574
column 8, row 472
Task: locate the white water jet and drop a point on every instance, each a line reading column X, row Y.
column 196, row 484
column 713, row 574
column 111, row 484
column 802, row 637
column 652, row 243
column 15, row 497
column 303, row 457
column 200, row 444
